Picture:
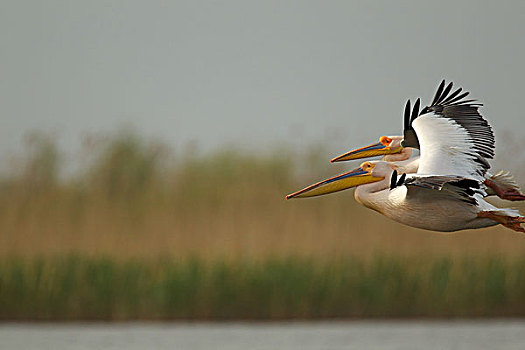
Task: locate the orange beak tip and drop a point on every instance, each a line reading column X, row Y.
column 336, row 159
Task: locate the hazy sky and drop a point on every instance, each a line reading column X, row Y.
column 251, row 73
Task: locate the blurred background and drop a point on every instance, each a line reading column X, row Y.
column 146, row 149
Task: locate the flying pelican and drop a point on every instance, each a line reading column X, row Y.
column 396, row 149
column 447, row 192
column 437, row 203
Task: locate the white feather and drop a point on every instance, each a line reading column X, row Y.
column 445, row 148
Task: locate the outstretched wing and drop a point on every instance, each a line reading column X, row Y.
column 453, row 136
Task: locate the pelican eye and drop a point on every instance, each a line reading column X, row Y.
column 367, row 166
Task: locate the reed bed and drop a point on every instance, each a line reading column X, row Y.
column 74, row 287
column 137, row 230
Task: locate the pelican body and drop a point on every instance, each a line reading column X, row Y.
column 436, row 203
column 420, row 207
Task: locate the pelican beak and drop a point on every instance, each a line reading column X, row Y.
column 377, row 149
column 341, row 182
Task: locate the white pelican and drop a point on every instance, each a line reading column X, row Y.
column 437, row 203
column 447, row 192
column 396, row 149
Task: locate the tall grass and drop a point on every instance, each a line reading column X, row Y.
column 140, row 231
column 102, row 289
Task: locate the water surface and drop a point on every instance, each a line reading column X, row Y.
column 485, row 334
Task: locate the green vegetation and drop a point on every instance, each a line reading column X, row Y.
column 102, row 289
column 141, row 232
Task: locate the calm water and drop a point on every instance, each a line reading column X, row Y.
column 493, row 334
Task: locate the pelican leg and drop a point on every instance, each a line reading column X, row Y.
column 512, row 222
column 509, row 194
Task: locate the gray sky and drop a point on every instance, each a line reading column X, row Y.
column 251, row 73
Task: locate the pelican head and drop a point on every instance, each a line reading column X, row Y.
column 368, row 172
column 388, row 146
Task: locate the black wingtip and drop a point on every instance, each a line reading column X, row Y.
column 415, row 111
column 401, row 179
column 452, row 95
column 407, row 116
column 438, row 92
column 443, row 97
column 393, row 180
column 444, row 93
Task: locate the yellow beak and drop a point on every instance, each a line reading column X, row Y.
column 337, row 183
column 377, row 149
